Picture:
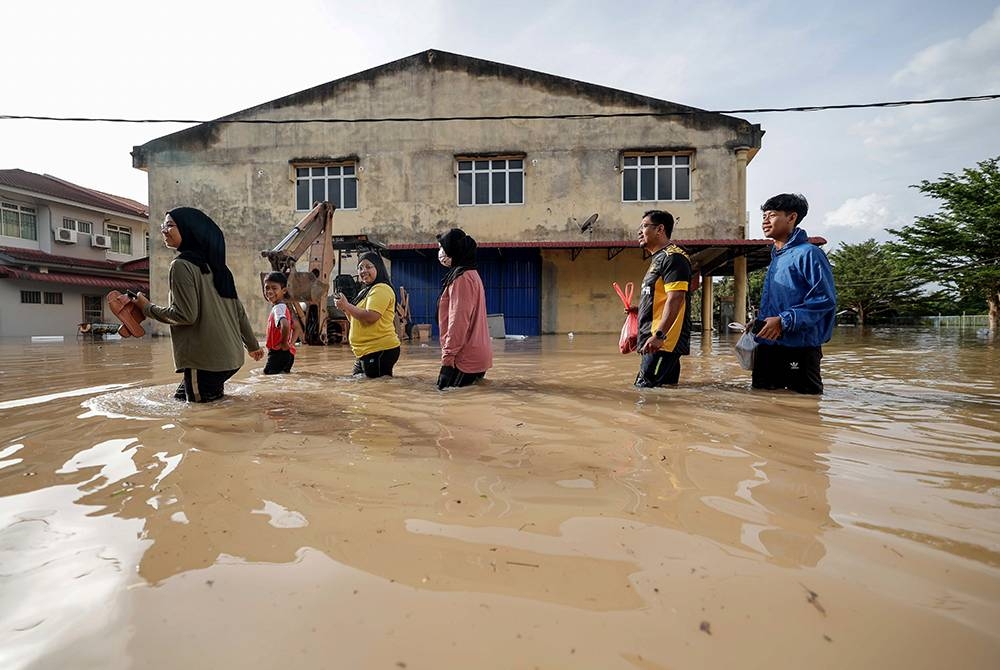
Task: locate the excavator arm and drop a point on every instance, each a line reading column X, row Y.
column 310, row 237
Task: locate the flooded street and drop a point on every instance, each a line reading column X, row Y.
column 552, row 517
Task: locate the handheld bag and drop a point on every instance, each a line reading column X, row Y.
column 745, row 347
column 630, row 329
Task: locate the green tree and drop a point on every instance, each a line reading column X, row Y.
column 959, row 246
column 872, row 280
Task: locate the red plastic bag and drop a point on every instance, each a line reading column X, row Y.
column 630, row 329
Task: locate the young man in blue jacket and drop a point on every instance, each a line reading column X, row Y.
column 798, row 304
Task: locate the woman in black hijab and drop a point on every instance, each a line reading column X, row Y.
column 372, row 335
column 209, row 328
column 466, row 351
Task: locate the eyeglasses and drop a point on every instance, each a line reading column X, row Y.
column 167, row 227
column 647, row 225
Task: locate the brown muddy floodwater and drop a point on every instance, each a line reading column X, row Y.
column 552, row 517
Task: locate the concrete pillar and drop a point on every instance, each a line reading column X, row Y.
column 740, row 263
column 741, row 193
column 706, row 305
column 740, row 289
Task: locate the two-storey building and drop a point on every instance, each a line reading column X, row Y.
column 62, row 248
column 519, row 159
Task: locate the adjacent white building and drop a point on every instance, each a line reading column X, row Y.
column 62, row 248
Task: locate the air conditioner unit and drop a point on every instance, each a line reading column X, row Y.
column 100, row 241
column 66, row 235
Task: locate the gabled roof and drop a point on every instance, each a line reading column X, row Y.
column 45, row 184
column 203, row 134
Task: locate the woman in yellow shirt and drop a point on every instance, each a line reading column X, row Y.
column 373, row 337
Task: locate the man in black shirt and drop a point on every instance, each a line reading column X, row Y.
column 664, row 303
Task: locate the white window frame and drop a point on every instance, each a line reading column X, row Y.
column 9, row 210
column 472, row 166
column 658, row 163
column 85, row 227
column 119, row 234
column 335, row 177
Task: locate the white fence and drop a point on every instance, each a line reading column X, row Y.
column 963, row 321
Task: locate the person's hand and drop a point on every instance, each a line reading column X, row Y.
column 651, row 345
column 771, row 329
column 141, row 300
column 447, row 377
column 340, row 300
column 257, row 355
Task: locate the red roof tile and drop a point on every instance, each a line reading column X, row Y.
column 138, row 265
column 60, row 188
column 74, row 280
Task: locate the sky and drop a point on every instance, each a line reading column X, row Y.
column 201, row 60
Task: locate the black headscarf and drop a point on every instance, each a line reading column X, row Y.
column 204, row 245
column 461, row 248
column 381, row 275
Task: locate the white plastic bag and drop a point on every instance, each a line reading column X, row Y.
column 745, row 347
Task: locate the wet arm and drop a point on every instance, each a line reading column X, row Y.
column 365, row 316
column 671, row 310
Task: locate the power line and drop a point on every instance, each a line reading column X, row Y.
column 513, row 117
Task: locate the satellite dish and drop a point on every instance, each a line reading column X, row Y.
column 585, row 226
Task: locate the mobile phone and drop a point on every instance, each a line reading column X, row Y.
column 130, row 293
column 756, row 326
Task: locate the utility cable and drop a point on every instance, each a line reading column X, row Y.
column 689, row 111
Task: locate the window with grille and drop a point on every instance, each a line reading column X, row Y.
column 493, row 181
column 656, row 177
column 53, row 298
column 333, row 183
column 31, row 297
column 121, row 238
column 18, row 221
column 78, row 225
column 93, row 309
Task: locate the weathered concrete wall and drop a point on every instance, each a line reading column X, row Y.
column 25, row 320
column 240, row 174
column 577, row 295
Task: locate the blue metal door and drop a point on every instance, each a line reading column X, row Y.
column 512, row 278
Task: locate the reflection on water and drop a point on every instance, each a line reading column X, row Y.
column 551, row 512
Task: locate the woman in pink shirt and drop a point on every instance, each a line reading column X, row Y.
column 466, row 352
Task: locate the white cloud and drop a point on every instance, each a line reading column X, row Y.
column 868, row 211
column 968, row 65
column 865, row 216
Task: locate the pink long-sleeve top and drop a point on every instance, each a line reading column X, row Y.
column 465, row 338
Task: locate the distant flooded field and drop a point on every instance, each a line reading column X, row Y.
column 553, row 516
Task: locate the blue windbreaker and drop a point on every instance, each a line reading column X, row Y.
column 799, row 288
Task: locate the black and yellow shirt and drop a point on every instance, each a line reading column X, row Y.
column 669, row 270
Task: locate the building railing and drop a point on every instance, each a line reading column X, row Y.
column 961, row 321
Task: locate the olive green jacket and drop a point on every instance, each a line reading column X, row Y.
column 208, row 332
